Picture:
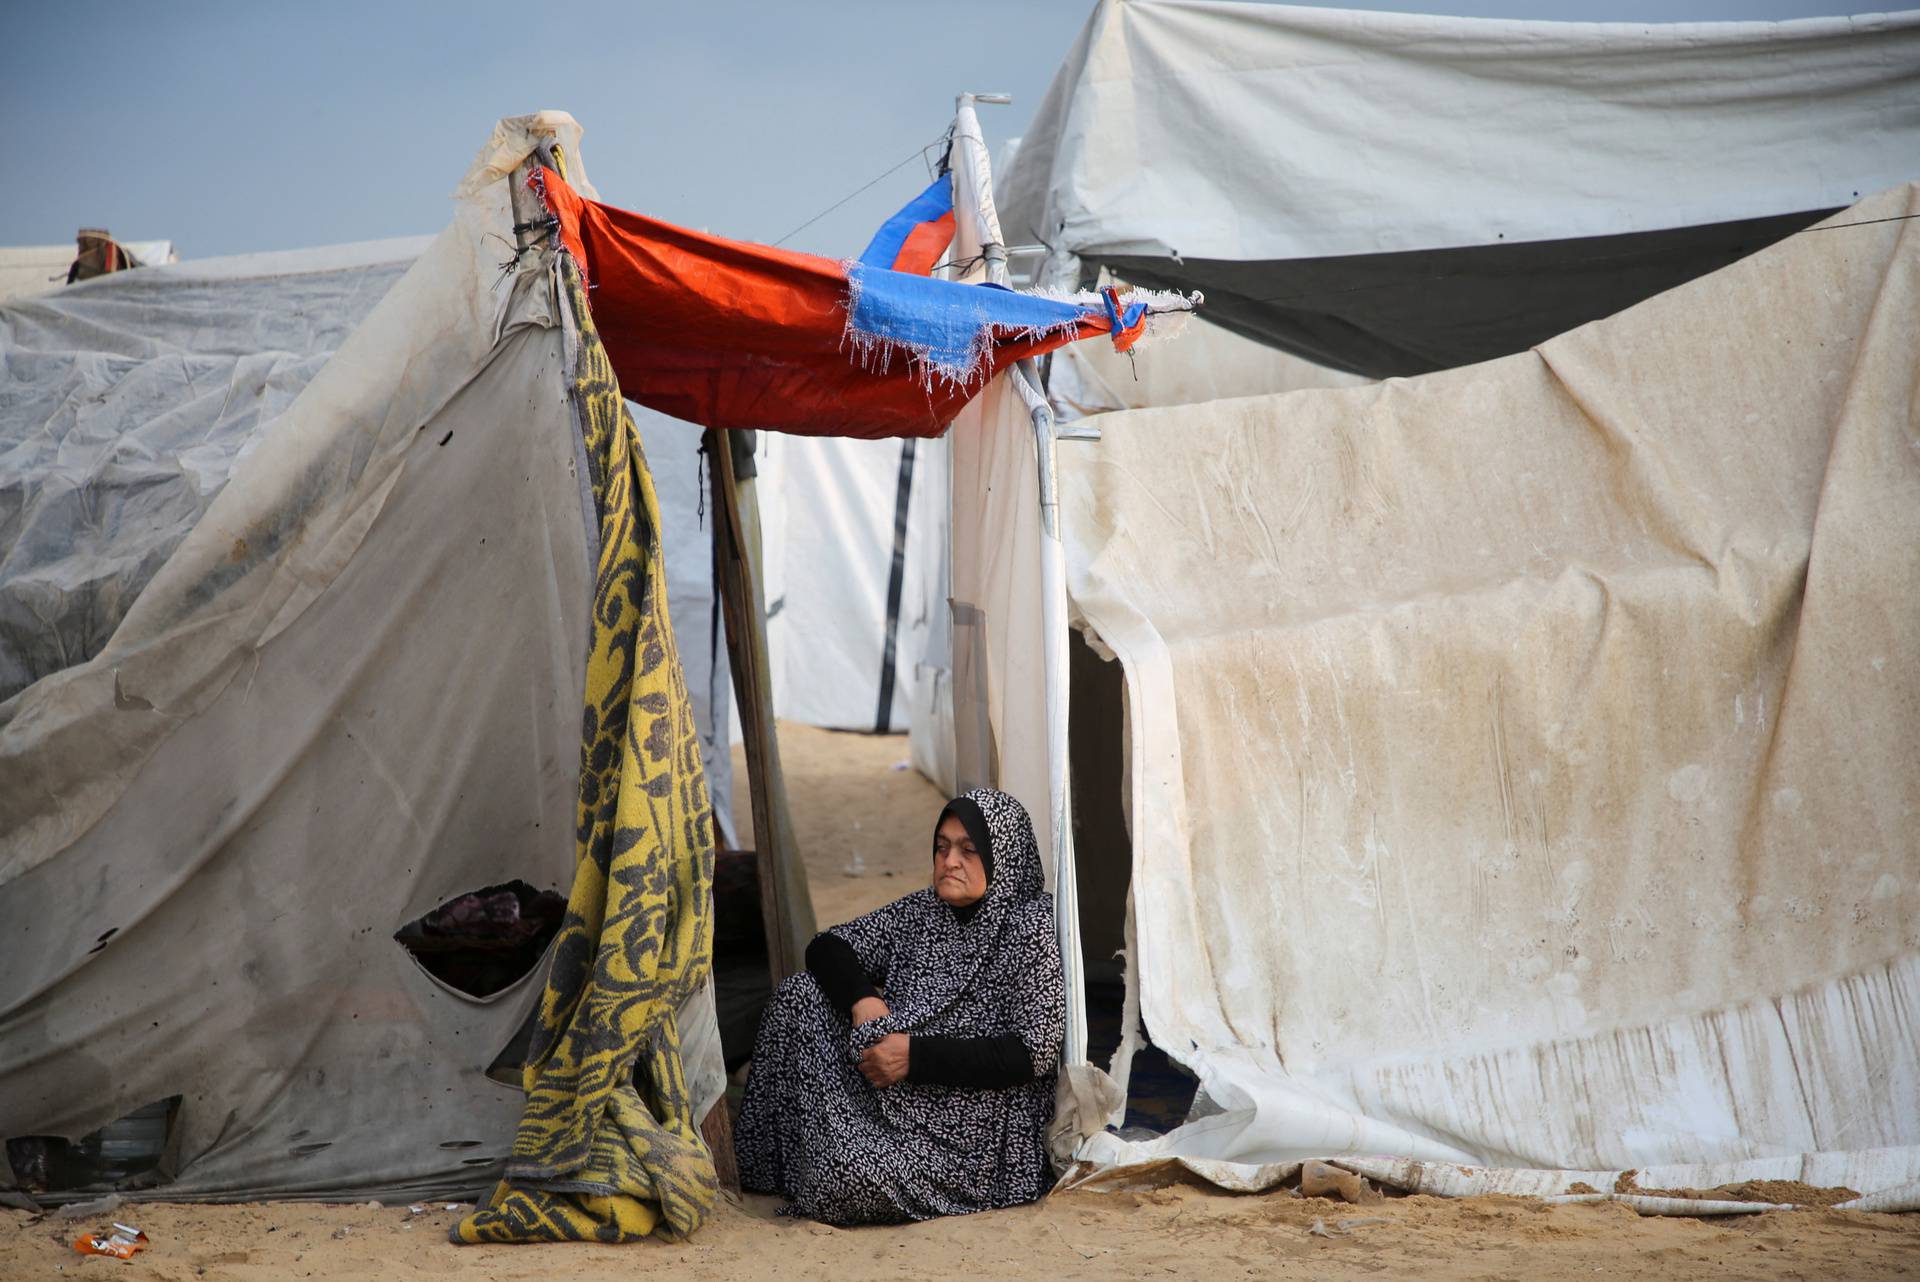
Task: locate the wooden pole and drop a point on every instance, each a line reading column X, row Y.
column 717, row 1131
column 786, row 907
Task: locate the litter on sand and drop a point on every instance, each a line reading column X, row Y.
column 121, row 1242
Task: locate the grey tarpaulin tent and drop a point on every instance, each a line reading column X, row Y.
column 347, row 692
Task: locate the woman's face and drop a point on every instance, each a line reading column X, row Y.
column 959, row 878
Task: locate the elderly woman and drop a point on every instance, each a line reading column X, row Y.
column 909, row 1071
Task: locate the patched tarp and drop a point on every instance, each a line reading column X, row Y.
column 1205, row 363
column 1523, row 761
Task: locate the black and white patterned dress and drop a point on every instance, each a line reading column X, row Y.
column 843, row 1151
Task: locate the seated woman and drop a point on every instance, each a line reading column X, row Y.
column 909, row 1071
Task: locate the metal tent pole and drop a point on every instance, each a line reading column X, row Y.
column 1053, row 589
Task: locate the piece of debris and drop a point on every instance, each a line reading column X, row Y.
column 341, row 1233
column 88, row 1210
column 120, row 1242
column 416, row 1209
column 1319, row 1179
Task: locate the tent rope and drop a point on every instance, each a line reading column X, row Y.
column 918, row 153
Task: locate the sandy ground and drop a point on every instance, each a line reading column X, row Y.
column 1177, row 1232
column 864, row 816
column 866, row 828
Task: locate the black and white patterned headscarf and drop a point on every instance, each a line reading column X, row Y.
column 841, row 1150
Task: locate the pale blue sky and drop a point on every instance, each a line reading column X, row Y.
column 232, row 127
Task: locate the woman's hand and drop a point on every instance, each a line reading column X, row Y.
column 885, row 1062
column 870, row 1008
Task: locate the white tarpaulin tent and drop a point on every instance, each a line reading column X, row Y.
column 129, row 400
column 1394, row 193
column 1521, row 764
column 1459, row 847
column 351, row 692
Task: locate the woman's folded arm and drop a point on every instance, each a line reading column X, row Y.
column 837, row 969
column 996, row 1062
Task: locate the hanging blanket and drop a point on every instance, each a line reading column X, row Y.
column 609, row 1149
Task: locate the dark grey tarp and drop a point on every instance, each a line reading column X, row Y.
column 1417, row 311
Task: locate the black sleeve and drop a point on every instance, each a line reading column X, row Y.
column 996, row 1062
column 835, row 967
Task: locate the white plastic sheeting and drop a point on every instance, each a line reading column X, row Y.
column 128, row 401
column 839, row 636
column 1179, row 128
column 681, row 483
column 1522, row 768
column 997, row 606
column 351, row 693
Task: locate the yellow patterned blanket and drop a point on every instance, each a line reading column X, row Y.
column 609, row 1149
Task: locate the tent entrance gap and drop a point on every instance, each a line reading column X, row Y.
column 742, row 973
column 1159, row 1091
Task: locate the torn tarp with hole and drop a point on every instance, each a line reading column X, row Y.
column 351, row 692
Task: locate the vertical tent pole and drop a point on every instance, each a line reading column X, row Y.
column 526, row 206
column 896, row 583
column 1053, row 626
column 786, row 908
column 1053, row 583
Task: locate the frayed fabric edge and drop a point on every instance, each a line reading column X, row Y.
column 1166, row 318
